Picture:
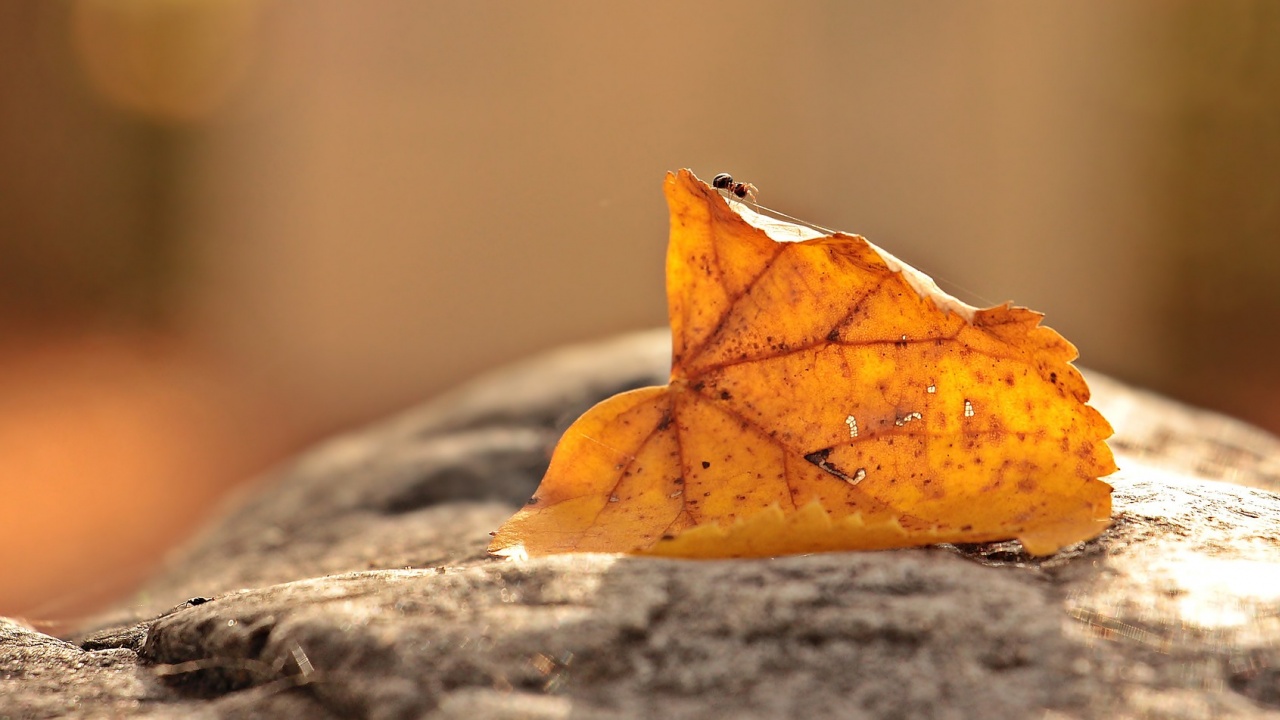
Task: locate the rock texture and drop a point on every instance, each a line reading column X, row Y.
column 353, row 583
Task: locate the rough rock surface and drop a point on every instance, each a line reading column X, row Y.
column 353, row 583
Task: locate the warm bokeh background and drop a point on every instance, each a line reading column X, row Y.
column 230, row 227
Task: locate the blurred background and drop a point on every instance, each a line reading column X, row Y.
column 229, row 228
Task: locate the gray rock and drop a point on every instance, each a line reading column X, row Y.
column 353, row 583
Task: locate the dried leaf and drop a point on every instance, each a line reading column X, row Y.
column 823, row 396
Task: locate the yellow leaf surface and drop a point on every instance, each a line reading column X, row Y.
column 823, row 396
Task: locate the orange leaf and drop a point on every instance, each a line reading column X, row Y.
column 823, row 396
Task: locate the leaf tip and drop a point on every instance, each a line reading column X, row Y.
column 513, row 551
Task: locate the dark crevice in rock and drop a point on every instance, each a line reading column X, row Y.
column 212, row 656
column 126, row 638
column 557, row 415
column 1259, row 684
column 508, row 478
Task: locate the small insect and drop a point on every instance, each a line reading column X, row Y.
column 724, row 181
